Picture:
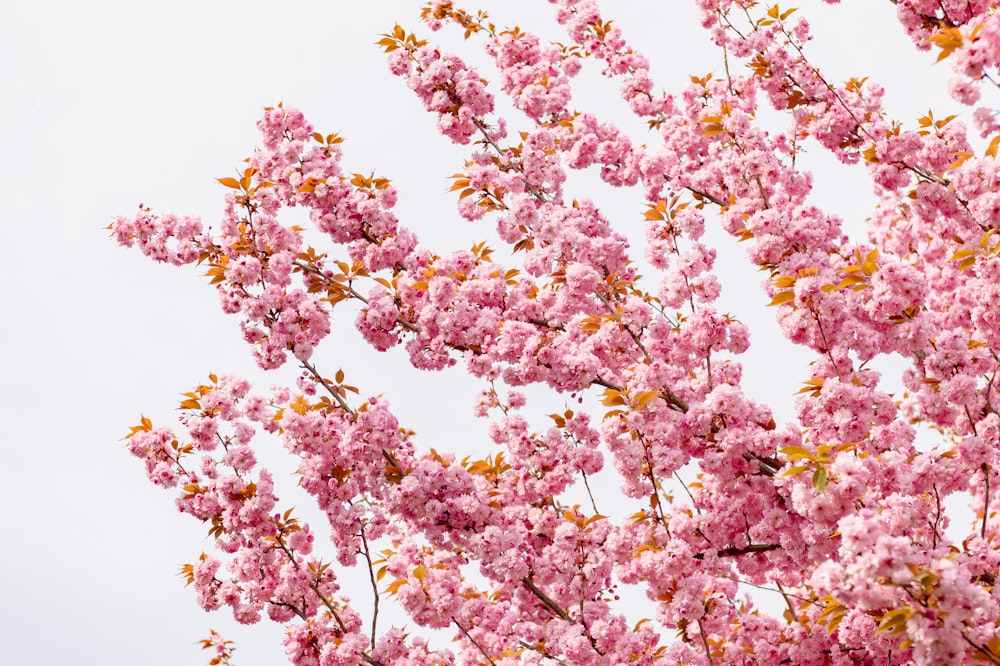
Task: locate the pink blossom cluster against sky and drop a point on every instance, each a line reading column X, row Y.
column 113, row 104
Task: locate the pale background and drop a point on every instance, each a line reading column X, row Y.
column 109, row 104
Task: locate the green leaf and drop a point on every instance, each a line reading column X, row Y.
column 819, row 479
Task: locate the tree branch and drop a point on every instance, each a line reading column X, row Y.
column 551, row 605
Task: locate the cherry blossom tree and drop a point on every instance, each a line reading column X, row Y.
column 840, row 513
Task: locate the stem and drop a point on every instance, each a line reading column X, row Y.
column 687, row 491
column 333, row 392
column 915, row 168
column 542, row 652
column 557, row 610
column 590, row 494
column 745, row 550
column 766, row 466
column 651, row 475
column 706, row 195
column 986, row 499
column 354, row 293
column 551, row 605
column 708, row 366
column 733, row 551
column 606, row 384
column 586, row 482
column 704, row 641
column 972, row 422
column 771, row 589
column 687, row 282
column 635, row 338
column 937, row 517
column 826, row 343
column 314, row 586
column 791, row 608
column 371, row 577
column 499, row 151
column 983, row 650
column 329, row 607
column 473, row 641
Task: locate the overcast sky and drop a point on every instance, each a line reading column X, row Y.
column 107, row 104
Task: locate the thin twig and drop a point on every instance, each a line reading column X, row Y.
column 473, row 641
column 983, row 650
column 986, row 499
column 371, row 576
column 590, row 494
column 332, row 391
column 686, row 490
column 704, row 641
column 542, row 652
column 499, row 151
column 791, row 609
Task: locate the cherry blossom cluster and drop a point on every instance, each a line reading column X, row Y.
column 840, row 514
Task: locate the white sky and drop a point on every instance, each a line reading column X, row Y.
column 107, row 104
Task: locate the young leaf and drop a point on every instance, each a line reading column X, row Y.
column 782, row 297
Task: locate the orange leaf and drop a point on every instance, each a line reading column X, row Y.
column 991, row 151
column 782, row 297
column 613, row 398
column 948, row 39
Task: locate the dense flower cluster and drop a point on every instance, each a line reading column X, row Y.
column 840, row 513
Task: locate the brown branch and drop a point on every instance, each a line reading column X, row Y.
column 826, row 343
column 706, row 195
column 329, row 389
column 350, row 290
column 734, row 551
column 791, row 608
column 540, row 196
column 915, row 168
column 473, row 641
column 606, row 384
column 314, row 586
column 983, row 650
column 542, row 652
column 986, row 499
column 704, row 641
column 371, row 576
column 752, row 548
column 767, row 466
column 590, row 494
column 938, row 516
column 676, row 402
column 541, row 323
column 551, row 605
